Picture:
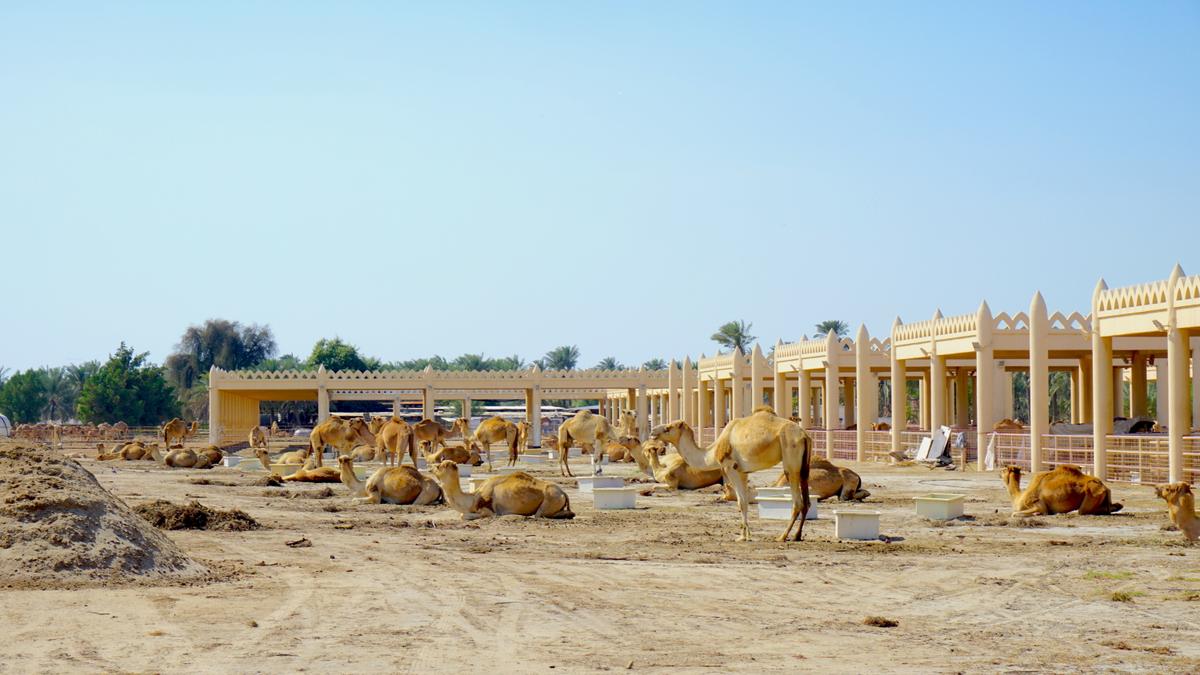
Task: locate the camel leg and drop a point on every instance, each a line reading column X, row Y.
column 738, row 480
column 800, row 504
column 564, row 453
column 476, row 515
column 1035, row 510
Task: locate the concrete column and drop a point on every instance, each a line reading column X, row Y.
column 673, row 392
column 783, row 395
column 1162, row 411
column 702, row 418
column 737, row 387
column 1195, row 387
column 1137, row 386
column 1179, row 413
column 805, row 393
column 830, row 404
column 862, row 380
column 1075, row 395
column 466, row 409
column 1118, row 392
column 322, row 403
column 1103, row 381
column 718, row 406
column 924, row 401
column 1010, row 405
column 985, row 385
column 427, row 403
column 758, row 373
column 643, row 412
column 1085, row 389
column 962, row 413
column 899, row 394
column 1039, row 380
column 533, row 409
column 214, row 413
column 937, row 391
column 688, row 408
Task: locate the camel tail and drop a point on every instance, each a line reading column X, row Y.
column 806, row 455
column 566, row 513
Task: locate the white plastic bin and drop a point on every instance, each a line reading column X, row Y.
column 862, row 525
column 940, row 506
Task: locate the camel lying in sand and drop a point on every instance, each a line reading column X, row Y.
column 390, row 485
column 311, row 473
column 1060, row 490
column 1181, row 504
column 825, row 480
column 516, row 493
column 1008, row 425
column 621, row 450
column 457, row 454
column 186, row 458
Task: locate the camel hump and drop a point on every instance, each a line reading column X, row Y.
column 763, row 409
column 1071, row 469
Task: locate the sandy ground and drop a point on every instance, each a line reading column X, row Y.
column 666, row 586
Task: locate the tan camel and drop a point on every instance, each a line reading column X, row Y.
column 1008, row 425
column 429, row 434
column 340, row 434
column 1181, row 504
column 678, row 475
column 364, row 453
column 516, row 493
column 524, row 433
column 394, row 438
column 749, row 444
column 311, row 473
column 826, row 480
column 457, row 454
column 174, row 433
column 258, row 438
column 103, row 455
column 183, row 458
column 1060, row 490
column 134, row 451
column 275, row 428
column 622, row 449
column 294, row 457
column 628, row 424
column 583, row 428
column 213, row 453
column 390, row 485
column 497, row 430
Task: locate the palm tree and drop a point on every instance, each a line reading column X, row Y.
column 655, row 364
column 470, row 362
column 609, row 363
column 565, row 357
column 838, row 327
column 61, row 393
column 3, row 375
column 734, row 334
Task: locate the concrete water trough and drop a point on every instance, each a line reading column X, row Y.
column 589, row 483
column 940, row 506
column 862, row 525
column 780, row 508
column 231, row 460
column 606, row 498
column 532, row 459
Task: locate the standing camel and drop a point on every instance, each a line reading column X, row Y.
column 583, row 429
column 338, row 433
column 393, row 439
column 746, row 445
column 429, row 432
column 497, row 430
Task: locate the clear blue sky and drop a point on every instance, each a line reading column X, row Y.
column 654, row 168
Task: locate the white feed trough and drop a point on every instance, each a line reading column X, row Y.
column 464, row 470
column 231, row 460
column 940, row 506
column 605, row 498
column 780, row 508
column 856, row 524
column 532, row 459
column 589, row 483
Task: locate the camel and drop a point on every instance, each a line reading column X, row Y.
column 341, row 434
column 828, row 480
column 214, row 454
column 1181, row 504
column 516, row 493
column 103, row 455
column 275, row 428
column 1060, row 490
column 524, row 431
column 677, row 474
column 363, row 453
column 749, row 444
column 628, row 424
column 263, row 458
column 583, row 428
column 1008, row 425
column 457, row 454
column 183, row 458
column 394, row 438
column 621, row 450
column 497, row 430
column 429, row 434
column 311, row 473
column 175, row 432
column 258, row 438
column 390, row 485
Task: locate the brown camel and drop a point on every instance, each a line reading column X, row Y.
column 275, row 428
column 621, row 450
column 390, row 485
column 583, row 428
column 183, row 458
column 497, row 430
column 749, row 444
column 457, row 454
column 1060, row 490
column 828, row 480
column 175, row 433
column 677, row 474
column 627, row 425
column 524, row 432
column 1181, row 504
column 516, row 493
column 1008, row 425
column 430, row 435
column 342, row 435
column 258, row 438
column 394, row 438
column 311, row 473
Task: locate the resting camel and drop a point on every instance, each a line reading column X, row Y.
column 749, row 444
column 311, row 473
column 183, row 458
column 364, row 453
column 275, row 428
column 621, row 450
column 258, row 438
column 340, row 434
column 390, row 485
column 829, row 480
column 678, row 475
column 516, row 493
column 429, row 434
column 394, row 438
column 1008, row 425
column 457, row 454
column 103, row 455
column 1181, row 504
column 497, row 430
column 176, row 431
column 1060, row 490
column 583, row 428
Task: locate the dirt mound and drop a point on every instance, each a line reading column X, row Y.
column 194, row 516
column 59, row 527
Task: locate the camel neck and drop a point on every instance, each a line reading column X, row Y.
column 351, row 479
column 458, row 499
column 693, row 454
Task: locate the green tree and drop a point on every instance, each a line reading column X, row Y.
column 23, row 397
column 62, row 391
column 655, row 364
column 565, row 357
column 839, row 328
column 221, row 343
column 128, row 389
column 3, row 375
column 734, row 335
column 609, row 363
column 338, row 355
column 285, row 362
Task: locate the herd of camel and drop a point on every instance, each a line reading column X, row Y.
column 759, row 441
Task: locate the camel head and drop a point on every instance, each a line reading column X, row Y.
column 630, row 442
column 345, row 462
column 377, row 424
column 463, row 426
column 445, row 471
column 1175, row 493
column 1011, row 475
column 360, row 432
column 668, row 433
column 658, row 448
